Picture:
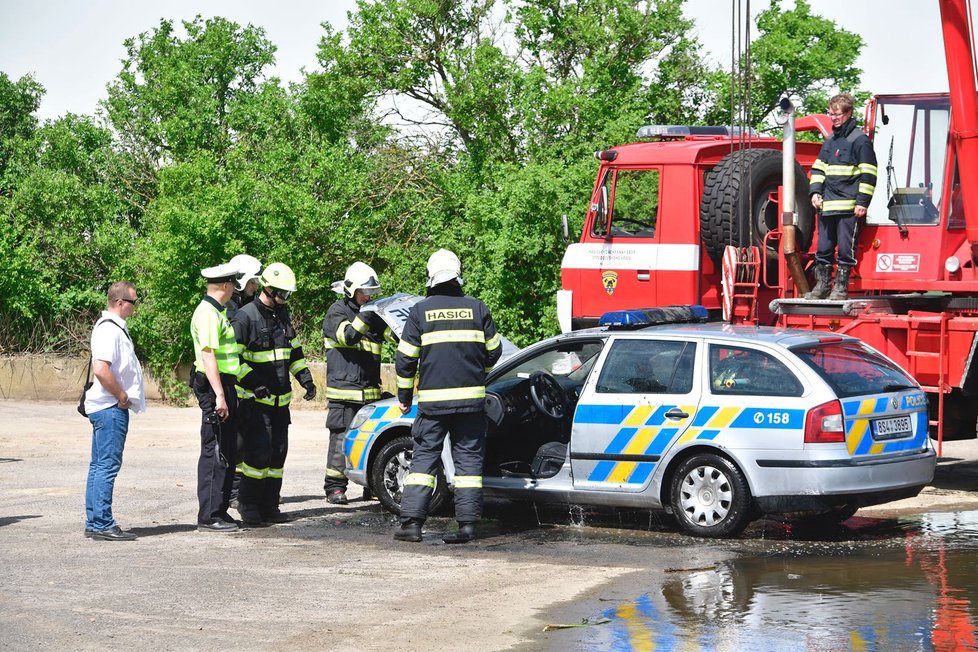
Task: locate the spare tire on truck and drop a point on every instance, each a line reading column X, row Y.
column 727, row 214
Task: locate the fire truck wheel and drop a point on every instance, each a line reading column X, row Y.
column 741, row 184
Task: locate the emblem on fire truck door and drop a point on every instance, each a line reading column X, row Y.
column 610, row 281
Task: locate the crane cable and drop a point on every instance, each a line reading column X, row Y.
column 740, row 107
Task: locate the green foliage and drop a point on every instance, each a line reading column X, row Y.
column 465, row 124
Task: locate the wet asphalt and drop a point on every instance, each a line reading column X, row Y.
column 899, row 576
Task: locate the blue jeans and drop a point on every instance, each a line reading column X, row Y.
column 109, row 428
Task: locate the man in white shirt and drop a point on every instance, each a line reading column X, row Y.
column 117, row 388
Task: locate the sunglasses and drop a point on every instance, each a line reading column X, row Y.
column 130, row 301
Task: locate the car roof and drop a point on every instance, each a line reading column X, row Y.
column 737, row 334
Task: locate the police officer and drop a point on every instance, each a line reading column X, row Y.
column 244, row 293
column 213, row 382
column 352, row 340
column 270, row 356
column 449, row 342
column 843, row 180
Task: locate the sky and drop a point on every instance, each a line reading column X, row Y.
column 74, row 47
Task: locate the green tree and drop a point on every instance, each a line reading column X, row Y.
column 19, row 101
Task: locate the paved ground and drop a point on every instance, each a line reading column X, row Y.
column 332, row 579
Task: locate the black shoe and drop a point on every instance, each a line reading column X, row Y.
column 275, row 517
column 367, row 495
column 89, row 532
column 217, row 525
column 465, row 534
column 337, row 497
column 113, row 533
column 408, row 532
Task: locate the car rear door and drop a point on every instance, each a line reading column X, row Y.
column 642, row 398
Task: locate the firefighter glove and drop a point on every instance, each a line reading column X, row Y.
column 310, row 391
column 262, row 392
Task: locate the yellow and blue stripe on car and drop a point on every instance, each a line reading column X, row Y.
column 358, row 441
column 860, row 413
column 645, row 431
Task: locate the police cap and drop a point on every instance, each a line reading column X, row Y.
column 221, row 273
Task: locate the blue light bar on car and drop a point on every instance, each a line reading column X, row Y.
column 641, row 317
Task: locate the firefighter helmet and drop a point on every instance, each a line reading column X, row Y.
column 249, row 267
column 278, row 276
column 443, row 265
column 359, row 276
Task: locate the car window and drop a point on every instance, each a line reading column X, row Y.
column 572, row 360
column 852, row 368
column 749, row 372
column 648, row 367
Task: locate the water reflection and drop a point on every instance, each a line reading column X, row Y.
column 915, row 591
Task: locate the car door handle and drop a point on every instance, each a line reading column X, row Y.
column 676, row 413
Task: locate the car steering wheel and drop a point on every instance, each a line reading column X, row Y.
column 547, row 395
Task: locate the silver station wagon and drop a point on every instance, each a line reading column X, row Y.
column 717, row 424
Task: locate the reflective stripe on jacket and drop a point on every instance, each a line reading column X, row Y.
column 270, row 353
column 845, row 171
column 352, row 353
column 450, row 343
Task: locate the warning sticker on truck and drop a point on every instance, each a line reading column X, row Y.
column 898, row 263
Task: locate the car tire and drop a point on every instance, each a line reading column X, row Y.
column 740, row 183
column 388, row 471
column 710, row 497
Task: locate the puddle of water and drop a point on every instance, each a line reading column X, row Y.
column 904, row 584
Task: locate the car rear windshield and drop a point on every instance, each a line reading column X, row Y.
column 853, row 369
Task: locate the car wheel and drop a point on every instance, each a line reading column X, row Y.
column 388, row 471
column 710, row 497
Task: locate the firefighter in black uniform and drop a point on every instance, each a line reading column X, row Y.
column 450, row 343
column 843, row 180
column 244, row 293
column 270, row 356
column 247, row 284
column 352, row 340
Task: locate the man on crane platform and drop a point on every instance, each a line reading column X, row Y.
column 842, row 183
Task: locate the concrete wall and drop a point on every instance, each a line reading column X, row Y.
column 57, row 378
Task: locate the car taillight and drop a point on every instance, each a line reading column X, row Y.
column 825, row 424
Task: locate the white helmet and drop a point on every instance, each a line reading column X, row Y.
column 359, row 276
column 443, row 265
column 249, row 267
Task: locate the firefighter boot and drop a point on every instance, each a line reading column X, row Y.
column 466, row 532
column 823, row 282
column 409, row 531
column 840, row 292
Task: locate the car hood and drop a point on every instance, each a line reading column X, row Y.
column 394, row 310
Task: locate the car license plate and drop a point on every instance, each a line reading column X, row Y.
column 893, row 428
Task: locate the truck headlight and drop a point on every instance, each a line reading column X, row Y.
column 952, row 264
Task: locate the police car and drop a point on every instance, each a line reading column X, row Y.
column 717, row 424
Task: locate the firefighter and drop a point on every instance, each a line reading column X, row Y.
column 216, row 366
column 843, row 180
column 244, row 293
column 449, row 342
column 247, row 284
column 352, row 339
column 270, row 356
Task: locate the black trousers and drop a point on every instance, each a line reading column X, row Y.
column 338, row 420
column 266, row 437
column 837, row 231
column 467, row 431
column 218, row 448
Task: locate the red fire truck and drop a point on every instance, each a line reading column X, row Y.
column 695, row 215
